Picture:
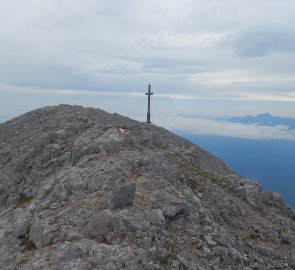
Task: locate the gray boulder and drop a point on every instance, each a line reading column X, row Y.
column 121, row 197
column 100, row 224
column 170, row 205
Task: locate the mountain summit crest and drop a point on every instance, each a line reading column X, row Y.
column 84, row 189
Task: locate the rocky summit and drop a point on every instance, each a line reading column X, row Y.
column 84, row 189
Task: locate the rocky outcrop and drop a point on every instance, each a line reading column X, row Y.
column 84, row 189
column 121, row 197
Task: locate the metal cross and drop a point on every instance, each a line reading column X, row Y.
column 149, row 94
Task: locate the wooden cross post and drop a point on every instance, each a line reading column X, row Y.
column 149, row 94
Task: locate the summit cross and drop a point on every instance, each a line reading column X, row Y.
column 149, row 94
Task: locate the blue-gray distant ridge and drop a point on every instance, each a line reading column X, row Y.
column 265, row 119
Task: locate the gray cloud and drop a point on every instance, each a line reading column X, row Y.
column 187, row 49
column 258, row 42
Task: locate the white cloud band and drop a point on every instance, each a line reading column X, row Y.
column 222, row 128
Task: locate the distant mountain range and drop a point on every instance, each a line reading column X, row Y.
column 265, row 119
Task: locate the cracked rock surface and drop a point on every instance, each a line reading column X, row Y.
column 84, row 189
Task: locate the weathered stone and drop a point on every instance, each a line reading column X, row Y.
column 170, row 205
column 270, row 197
column 175, row 265
column 252, row 193
column 100, row 224
column 288, row 238
column 22, row 224
column 58, row 193
column 185, row 263
column 121, row 197
column 37, row 233
column 49, row 151
column 142, row 219
column 209, row 241
column 73, row 236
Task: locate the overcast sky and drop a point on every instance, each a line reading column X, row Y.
column 206, row 57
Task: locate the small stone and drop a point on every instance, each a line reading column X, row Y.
column 37, row 233
column 175, row 265
column 209, row 241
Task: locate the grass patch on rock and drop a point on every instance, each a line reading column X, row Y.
column 29, row 245
column 23, row 200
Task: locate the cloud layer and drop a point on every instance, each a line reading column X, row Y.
column 179, row 44
column 189, row 50
column 201, row 126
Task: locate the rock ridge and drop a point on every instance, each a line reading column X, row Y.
column 84, row 189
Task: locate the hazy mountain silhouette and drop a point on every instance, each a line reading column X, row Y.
column 265, row 119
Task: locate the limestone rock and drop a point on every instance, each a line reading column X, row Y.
column 121, row 197
column 37, row 233
column 100, row 224
column 84, row 189
column 170, row 205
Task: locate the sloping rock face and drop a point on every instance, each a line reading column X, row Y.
column 84, row 189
